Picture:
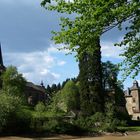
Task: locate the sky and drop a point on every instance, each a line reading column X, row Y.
column 25, row 36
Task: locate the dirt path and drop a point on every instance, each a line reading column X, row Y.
column 63, row 137
column 60, row 137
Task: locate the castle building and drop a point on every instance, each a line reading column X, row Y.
column 33, row 93
column 132, row 96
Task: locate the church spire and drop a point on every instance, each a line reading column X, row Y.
column 2, row 67
column 1, row 59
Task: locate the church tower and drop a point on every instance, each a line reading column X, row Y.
column 2, row 67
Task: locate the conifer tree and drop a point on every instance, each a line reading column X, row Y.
column 54, row 88
column 58, row 86
column 90, row 77
column 49, row 91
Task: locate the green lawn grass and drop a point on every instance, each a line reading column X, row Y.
column 129, row 128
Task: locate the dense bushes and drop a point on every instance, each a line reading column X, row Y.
column 100, row 122
column 20, row 121
column 11, row 97
column 8, row 107
column 67, row 99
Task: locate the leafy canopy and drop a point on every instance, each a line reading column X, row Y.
column 92, row 18
column 13, row 82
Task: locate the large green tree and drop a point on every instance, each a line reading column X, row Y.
column 94, row 18
column 11, row 95
column 13, row 82
column 90, row 81
column 86, row 42
column 112, row 84
column 110, row 73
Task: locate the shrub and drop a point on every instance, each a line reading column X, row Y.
column 20, row 123
column 40, row 107
column 8, row 106
column 67, row 99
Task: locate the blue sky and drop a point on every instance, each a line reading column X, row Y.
column 25, row 35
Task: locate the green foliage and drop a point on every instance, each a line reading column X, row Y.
column 99, row 122
column 56, row 105
column 131, row 41
column 8, row 107
column 67, row 99
column 39, row 115
column 92, row 123
column 90, row 82
column 110, row 72
column 128, row 128
column 40, row 107
column 119, row 96
column 94, row 18
column 111, row 84
column 13, row 82
column 54, row 88
column 51, row 125
column 111, row 121
column 11, row 96
column 70, row 94
column 82, row 123
column 21, row 122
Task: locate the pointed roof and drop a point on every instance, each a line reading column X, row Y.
column 1, row 59
column 135, row 86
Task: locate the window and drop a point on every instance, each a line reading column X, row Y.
column 134, row 100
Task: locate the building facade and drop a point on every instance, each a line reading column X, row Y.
column 132, row 96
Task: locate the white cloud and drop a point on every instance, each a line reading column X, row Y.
column 44, row 72
column 36, row 66
column 55, row 75
column 53, row 49
column 110, row 51
column 61, row 63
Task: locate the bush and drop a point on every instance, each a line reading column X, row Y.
column 40, row 107
column 8, row 106
column 90, row 124
column 20, row 123
column 58, row 125
column 67, row 99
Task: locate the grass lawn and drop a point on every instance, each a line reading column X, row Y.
column 129, row 128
